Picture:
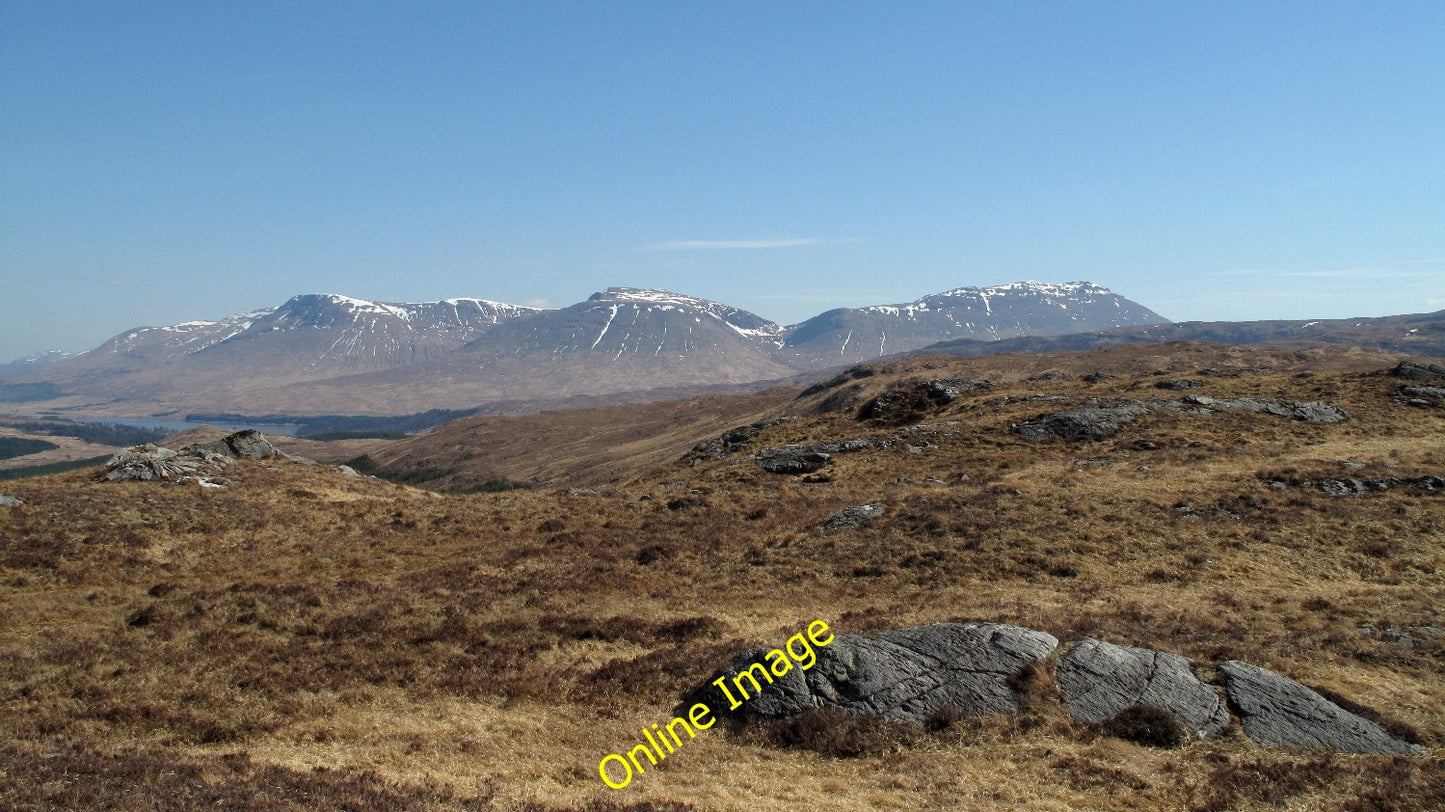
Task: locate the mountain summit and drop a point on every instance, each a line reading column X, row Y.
column 853, row 335
column 328, row 353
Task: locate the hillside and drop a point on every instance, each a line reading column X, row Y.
column 1414, row 334
column 349, row 641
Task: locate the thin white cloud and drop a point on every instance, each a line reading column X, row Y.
column 715, row 245
column 1336, row 273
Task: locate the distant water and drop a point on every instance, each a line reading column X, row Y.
column 177, row 426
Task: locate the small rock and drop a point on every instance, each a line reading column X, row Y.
column 947, row 390
column 9, row 501
column 347, row 470
column 852, row 518
column 1179, row 383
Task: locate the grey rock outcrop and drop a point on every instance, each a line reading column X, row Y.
column 1079, row 424
column 904, row 674
column 1360, row 487
column 800, row 459
column 1315, row 412
column 947, row 390
column 975, row 669
column 1310, row 412
column 1423, row 395
column 1279, row 712
column 852, row 518
column 1098, row 680
column 248, row 444
column 9, row 501
column 1411, row 371
column 151, row 462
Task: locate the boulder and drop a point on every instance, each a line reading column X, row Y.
column 1279, row 712
column 248, row 444
column 947, row 390
column 792, row 459
column 1315, row 412
column 1089, row 423
column 904, row 674
column 1098, row 680
column 9, row 501
column 852, row 518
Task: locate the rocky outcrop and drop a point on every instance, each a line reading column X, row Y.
column 977, row 669
column 199, row 462
column 792, row 460
column 1090, row 423
column 1411, row 371
column 249, row 444
column 1095, row 422
column 1279, row 712
column 1310, row 412
column 947, row 390
column 1099, row 680
column 904, row 674
column 9, row 501
column 1360, row 487
column 1422, row 395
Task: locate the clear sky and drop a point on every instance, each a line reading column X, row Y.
column 162, row 162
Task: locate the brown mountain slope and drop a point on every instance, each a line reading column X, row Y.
column 307, row 639
column 576, row 446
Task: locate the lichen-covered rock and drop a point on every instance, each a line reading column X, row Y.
column 1089, row 423
column 9, row 501
column 1098, row 680
column 904, row 674
column 1279, row 712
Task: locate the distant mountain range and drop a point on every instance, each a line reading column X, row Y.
column 336, row 354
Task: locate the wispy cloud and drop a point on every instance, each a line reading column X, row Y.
column 1334, row 273
column 717, row 245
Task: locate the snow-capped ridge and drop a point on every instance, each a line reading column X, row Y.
column 744, row 323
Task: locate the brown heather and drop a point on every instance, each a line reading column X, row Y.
column 307, row 640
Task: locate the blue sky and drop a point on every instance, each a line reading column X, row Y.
column 161, row 162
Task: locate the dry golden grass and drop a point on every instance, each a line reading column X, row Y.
column 309, row 640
